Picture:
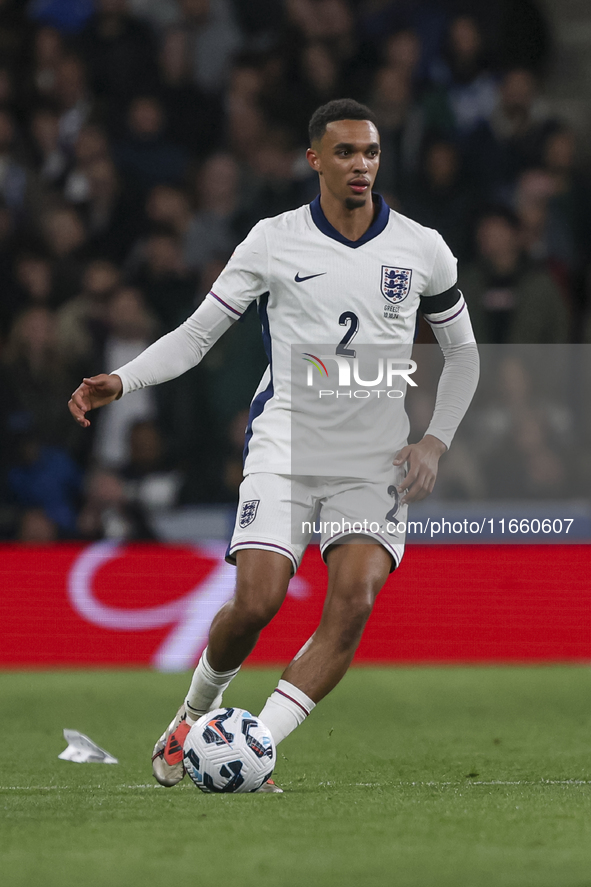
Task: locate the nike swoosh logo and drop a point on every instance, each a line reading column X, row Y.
column 299, row 279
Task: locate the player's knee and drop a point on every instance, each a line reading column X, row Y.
column 358, row 609
column 256, row 613
column 349, row 631
column 347, row 619
column 357, row 595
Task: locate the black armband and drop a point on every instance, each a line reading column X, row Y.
column 442, row 301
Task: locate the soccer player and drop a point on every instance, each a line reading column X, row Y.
column 344, row 264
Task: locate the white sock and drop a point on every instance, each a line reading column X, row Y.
column 207, row 687
column 284, row 710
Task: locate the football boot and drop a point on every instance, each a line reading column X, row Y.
column 167, row 758
column 269, row 786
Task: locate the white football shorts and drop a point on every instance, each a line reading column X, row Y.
column 279, row 512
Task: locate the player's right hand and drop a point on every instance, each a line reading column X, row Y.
column 97, row 391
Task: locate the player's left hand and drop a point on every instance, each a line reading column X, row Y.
column 423, row 459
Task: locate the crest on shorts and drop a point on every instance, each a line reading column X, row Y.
column 395, row 283
column 248, row 513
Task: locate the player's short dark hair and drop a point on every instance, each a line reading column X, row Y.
column 337, row 109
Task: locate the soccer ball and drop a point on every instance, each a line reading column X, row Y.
column 229, row 750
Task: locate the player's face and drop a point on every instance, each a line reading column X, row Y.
column 347, row 157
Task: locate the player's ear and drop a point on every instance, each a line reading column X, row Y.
column 314, row 160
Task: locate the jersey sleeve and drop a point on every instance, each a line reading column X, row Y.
column 446, row 312
column 444, row 273
column 455, row 390
column 177, row 351
column 442, row 302
column 246, row 275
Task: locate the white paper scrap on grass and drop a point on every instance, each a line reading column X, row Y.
column 82, row 750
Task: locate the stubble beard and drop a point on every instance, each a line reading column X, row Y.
column 355, row 202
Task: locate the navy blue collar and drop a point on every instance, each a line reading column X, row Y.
column 376, row 227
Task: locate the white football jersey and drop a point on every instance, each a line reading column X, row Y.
column 312, row 285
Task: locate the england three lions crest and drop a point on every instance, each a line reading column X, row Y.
column 248, row 513
column 395, row 283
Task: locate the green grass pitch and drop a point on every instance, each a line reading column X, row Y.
column 411, row 777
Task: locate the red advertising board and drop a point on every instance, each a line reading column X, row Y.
column 150, row 605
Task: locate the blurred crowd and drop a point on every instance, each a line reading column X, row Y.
column 527, row 434
column 140, row 140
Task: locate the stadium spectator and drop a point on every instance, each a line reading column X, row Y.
column 40, row 73
column 214, row 38
column 402, row 52
column 15, row 30
column 10, row 301
column 39, row 376
column 73, row 98
column 546, row 230
column 168, row 286
column 402, row 129
column 171, row 208
column 260, row 22
column 276, row 180
column 327, row 20
column 47, row 478
column 427, row 20
column 246, row 122
column 441, row 198
column 159, row 13
column 8, row 98
column 92, row 144
column 464, row 76
column 13, row 175
column 48, row 155
column 120, row 51
column 525, row 436
column 130, row 330
column 112, row 212
column 512, row 139
column 194, row 116
column 146, row 154
column 66, row 240
column 35, row 528
column 571, row 193
column 510, row 298
column 68, row 16
column 320, row 75
column 82, row 322
column 33, row 278
column 211, row 231
column 107, row 512
column 150, row 480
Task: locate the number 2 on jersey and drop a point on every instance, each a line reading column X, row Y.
column 347, row 317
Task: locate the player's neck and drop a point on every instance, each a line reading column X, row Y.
column 351, row 223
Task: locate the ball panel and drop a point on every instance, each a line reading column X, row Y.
column 229, row 750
